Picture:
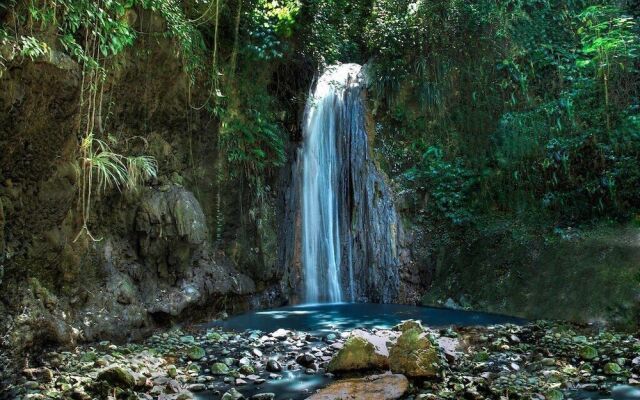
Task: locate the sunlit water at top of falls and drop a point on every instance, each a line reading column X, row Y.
column 320, row 174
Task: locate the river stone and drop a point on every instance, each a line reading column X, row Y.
column 195, row 353
column 408, row 324
column 588, row 353
column 118, row 377
column 612, row 368
column 361, row 351
column 306, row 359
column 273, row 366
column 554, row 394
column 375, row 387
column 232, row 394
column 247, row 369
column 219, row 369
column 414, row 355
column 263, row 396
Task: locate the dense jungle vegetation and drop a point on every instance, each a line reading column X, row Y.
column 492, row 117
column 524, row 110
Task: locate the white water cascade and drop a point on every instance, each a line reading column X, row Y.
column 321, row 165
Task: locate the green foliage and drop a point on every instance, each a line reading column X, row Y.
column 449, row 185
column 32, row 47
column 185, row 32
column 252, row 139
column 270, row 22
column 541, row 110
column 609, row 38
column 331, row 30
column 100, row 168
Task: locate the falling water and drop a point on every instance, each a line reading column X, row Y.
column 321, row 165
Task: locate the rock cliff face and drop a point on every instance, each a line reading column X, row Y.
column 156, row 259
column 370, row 218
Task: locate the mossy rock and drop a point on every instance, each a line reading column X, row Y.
column 89, row 356
column 554, row 394
column 247, row 370
column 219, row 369
column 214, row 336
column 612, row 369
column 414, row 355
column 117, row 377
column 195, row 353
column 481, row 356
column 588, row 353
column 357, row 354
column 408, row 324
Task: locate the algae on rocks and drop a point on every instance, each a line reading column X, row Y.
column 414, row 355
column 358, row 354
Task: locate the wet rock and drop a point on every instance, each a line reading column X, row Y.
column 118, row 377
column 197, row 387
column 280, row 334
column 219, row 369
column 196, row 353
column 612, row 368
column 232, row 394
column 256, row 352
column 408, row 324
column 263, row 396
column 588, row 353
column 273, row 366
column 306, row 359
column 247, row 369
column 414, row 355
column 375, row 387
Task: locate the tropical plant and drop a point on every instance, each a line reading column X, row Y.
column 101, row 169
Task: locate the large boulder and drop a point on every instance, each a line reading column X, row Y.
column 375, row 387
column 361, row 351
column 414, row 355
column 117, row 377
column 171, row 226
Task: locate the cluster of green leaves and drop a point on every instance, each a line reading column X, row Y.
column 251, row 137
column 448, row 183
column 270, row 23
column 331, row 30
column 180, row 28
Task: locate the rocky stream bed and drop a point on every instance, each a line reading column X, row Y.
column 541, row 360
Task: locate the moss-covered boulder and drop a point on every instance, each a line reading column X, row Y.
column 588, row 353
column 414, row 355
column 219, row 369
column 359, row 353
column 612, row 368
column 195, row 353
column 117, row 377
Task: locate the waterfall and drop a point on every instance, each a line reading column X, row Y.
column 321, row 165
column 349, row 225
